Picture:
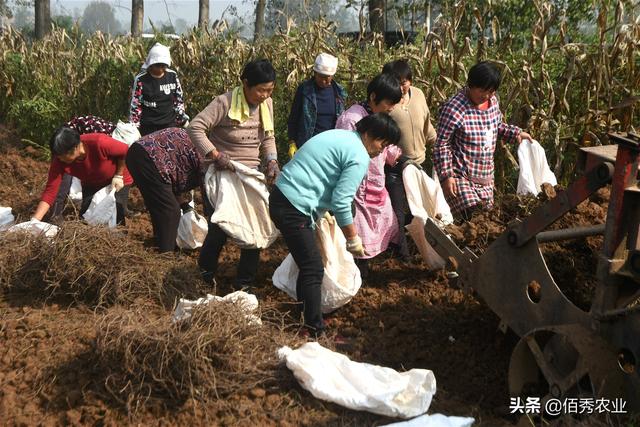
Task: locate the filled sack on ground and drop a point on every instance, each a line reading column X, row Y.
column 6, row 217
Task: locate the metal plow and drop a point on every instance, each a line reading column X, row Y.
column 565, row 352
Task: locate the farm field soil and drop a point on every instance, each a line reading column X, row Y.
column 403, row 317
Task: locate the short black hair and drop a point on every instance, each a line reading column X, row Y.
column 258, row 71
column 399, row 68
column 484, row 75
column 379, row 126
column 63, row 140
column 385, row 86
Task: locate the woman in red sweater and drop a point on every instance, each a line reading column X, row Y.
column 96, row 159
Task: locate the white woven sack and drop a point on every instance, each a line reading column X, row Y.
column 6, row 217
column 102, row 210
column 341, row 279
column 126, row 132
column 192, row 230
column 333, row 377
column 240, row 200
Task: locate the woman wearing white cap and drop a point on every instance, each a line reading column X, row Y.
column 156, row 99
column 317, row 104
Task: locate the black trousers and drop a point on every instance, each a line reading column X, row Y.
column 301, row 241
column 398, row 197
column 55, row 211
column 212, row 247
column 158, row 197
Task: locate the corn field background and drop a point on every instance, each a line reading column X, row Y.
column 567, row 92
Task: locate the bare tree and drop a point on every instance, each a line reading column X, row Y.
column 203, row 14
column 42, row 18
column 376, row 16
column 259, row 27
column 137, row 17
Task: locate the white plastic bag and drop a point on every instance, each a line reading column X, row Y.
column 426, row 200
column 341, row 279
column 435, row 420
column 333, row 377
column 241, row 205
column 36, row 228
column 102, row 210
column 192, row 230
column 534, row 169
column 75, row 192
column 6, row 217
column 248, row 302
column 126, row 132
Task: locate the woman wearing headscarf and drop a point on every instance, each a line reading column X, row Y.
column 237, row 125
column 157, row 101
column 317, row 104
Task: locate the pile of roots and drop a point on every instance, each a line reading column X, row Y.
column 216, row 353
column 92, row 265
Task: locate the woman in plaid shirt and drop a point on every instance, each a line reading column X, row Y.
column 469, row 125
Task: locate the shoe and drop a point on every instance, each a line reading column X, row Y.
column 208, row 277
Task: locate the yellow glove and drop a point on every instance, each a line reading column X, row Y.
column 354, row 245
column 292, row 149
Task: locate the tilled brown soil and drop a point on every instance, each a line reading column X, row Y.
column 404, row 317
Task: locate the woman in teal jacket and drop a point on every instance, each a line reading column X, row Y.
column 323, row 176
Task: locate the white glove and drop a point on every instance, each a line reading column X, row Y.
column 354, row 245
column 117, row 182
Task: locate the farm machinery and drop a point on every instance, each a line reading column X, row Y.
column 565, row 352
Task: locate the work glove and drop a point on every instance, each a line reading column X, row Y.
column 273, row 170
column 354, row 245
column 185, row 124
column 292, row 149
column 117, row 182
column 223, row 161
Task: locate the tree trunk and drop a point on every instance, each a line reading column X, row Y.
column 376, row 16
column 137, row 17
column 203, row 14
column 259, row 27
column 42, row 18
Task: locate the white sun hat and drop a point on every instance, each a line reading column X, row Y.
column 159, row 54
column 326, row 64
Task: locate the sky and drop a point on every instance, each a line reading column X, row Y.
column 158, row 11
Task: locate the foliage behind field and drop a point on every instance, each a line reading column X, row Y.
column 568, row 94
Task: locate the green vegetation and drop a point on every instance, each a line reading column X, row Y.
column 567, row 91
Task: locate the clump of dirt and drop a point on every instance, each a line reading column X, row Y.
column 216, row 353
column 92, row 265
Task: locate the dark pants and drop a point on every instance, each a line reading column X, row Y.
column 212, row 246
column 158, row 197
column 301, row 241
column 398, row 197
column 122, row 200
column 56, row 210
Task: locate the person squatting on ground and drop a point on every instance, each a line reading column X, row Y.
column 237, row 125
column 413, row 117
column 83, row 125
column 97, row 160
column 317, row 104
column 156, row 97
column 165, row 166
column 469, row 125
column 324, row 175
column 374, row 218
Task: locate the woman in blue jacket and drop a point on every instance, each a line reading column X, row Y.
column 324, row 175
